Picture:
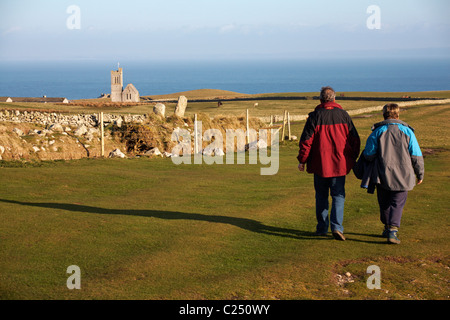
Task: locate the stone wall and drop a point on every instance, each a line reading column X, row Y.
column 77, row 120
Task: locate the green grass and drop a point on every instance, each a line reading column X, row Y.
column 148, row 229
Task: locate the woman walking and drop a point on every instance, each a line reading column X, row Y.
column 400, row 167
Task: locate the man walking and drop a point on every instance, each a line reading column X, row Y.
column 329, row 147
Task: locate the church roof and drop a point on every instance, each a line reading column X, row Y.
column 131, row 87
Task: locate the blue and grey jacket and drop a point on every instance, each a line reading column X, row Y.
column 400, row 160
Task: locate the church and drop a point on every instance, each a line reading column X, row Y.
column 118, row 94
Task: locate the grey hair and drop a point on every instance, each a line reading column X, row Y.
column 327, row 94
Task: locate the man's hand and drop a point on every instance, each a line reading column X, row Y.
column 419, row 182
column 301, row 167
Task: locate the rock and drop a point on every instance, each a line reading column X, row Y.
column 168, row 155
column 36, row 149
column 181, row 106
column 213, row 152
column 208, row 152
column 89, row 136
column 119, row 122
column 262, row 144
column 18, row 132
column 80, row 130
column 2, row 150
column 153, row 152
column 160, row 109
column 56, row 127
column 219, row 152
column 117, row 154
column 252, row 145
column 92, row 131
column 43, row 132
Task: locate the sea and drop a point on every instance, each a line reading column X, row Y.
column 86, row 79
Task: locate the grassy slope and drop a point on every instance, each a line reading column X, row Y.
column 147, row 229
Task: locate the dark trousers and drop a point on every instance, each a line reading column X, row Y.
column 391, row 205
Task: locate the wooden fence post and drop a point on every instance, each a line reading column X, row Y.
column 284, row 125
column 248, row 132
column 195, row 135
column 102, row 133
column 289, row 126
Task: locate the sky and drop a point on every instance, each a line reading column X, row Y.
column 37, row 30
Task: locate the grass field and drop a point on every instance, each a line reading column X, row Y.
column 263, row 109
column 148, row 229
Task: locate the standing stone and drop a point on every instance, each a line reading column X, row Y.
column 181, row 106
column 160, row 109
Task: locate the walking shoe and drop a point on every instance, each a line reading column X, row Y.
column 385, row 233
column 392, row 237
column 320, row 234
column 338, row 235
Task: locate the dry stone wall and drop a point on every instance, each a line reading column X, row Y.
column 77, row 120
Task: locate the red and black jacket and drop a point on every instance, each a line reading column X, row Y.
column 330, row 143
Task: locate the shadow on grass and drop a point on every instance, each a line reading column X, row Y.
column 243, row 223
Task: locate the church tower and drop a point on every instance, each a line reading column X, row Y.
column 116, row 85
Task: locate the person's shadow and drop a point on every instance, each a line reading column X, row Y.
column 243, row 223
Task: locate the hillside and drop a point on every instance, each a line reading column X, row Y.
column 198, row 94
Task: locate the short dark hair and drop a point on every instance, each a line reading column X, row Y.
column 391, row 111
column 327, row 94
